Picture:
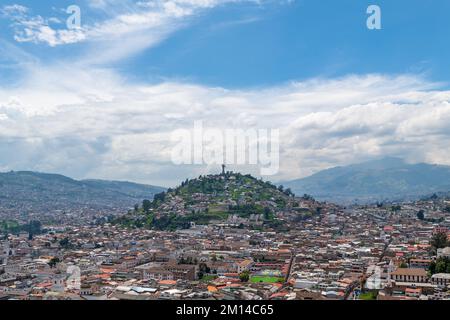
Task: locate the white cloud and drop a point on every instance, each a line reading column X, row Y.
column 122, row 131
column 130, row 25
column 85, row 121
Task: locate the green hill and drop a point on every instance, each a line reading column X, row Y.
column 43, row 192
column 231, row 197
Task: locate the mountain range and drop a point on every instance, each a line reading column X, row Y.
column 386, row 179
column 25, row 190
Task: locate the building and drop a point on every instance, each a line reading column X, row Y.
column 411, row 275
column 244, row 265
column 440, row 230
column 419, row 263
column 441, row 279
column 182, row 271
column 156, row 273
column 413, row 292
column 169, row 272
column 444, row 252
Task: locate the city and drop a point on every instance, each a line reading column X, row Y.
column 393, row 251
column 214, row 158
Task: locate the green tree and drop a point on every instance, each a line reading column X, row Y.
column 421, row 215
column 53, row 261
column 308, row 197
column 65, row 243
column 203, row 267
column 146, row 205
column 439, row 240
column 244, row 276
column 432, row 268
column 159, row 197
column 441, row 266
column 267, row 213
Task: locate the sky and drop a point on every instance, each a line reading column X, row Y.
column 102, row 100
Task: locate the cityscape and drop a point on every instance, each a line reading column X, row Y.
column 224, row 157
column 232, row 237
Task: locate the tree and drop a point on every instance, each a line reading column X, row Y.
column 53, row 261
column 244, row 276
column 33, row 227
column 439, row 240
column 203, row 267
column 65, row 243
column 432, row 268
column 136, row 207
column 146, row 205
column 267, row 213
column 159, row 196
column 421, row 215
column 308, row 197
column 441, row 265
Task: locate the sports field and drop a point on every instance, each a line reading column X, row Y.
column 266, row 279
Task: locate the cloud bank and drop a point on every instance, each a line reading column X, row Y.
column 122, row 131
column 81, row 117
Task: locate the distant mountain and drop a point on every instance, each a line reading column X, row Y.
column 33, row 191
column 378, row 180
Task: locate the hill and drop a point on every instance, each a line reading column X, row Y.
column 379, row 180
column 232, row 198
column 32, row 191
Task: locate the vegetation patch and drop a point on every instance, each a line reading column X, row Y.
column 266, row 279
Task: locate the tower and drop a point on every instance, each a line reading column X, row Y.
column 223, row 169
column 58, row 283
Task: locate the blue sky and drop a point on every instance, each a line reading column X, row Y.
column 137, row 70
column 305, row 39
column 248, row 44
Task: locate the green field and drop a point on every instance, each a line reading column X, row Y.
column 266, row 279
column 368, row 296
column 208, row 278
